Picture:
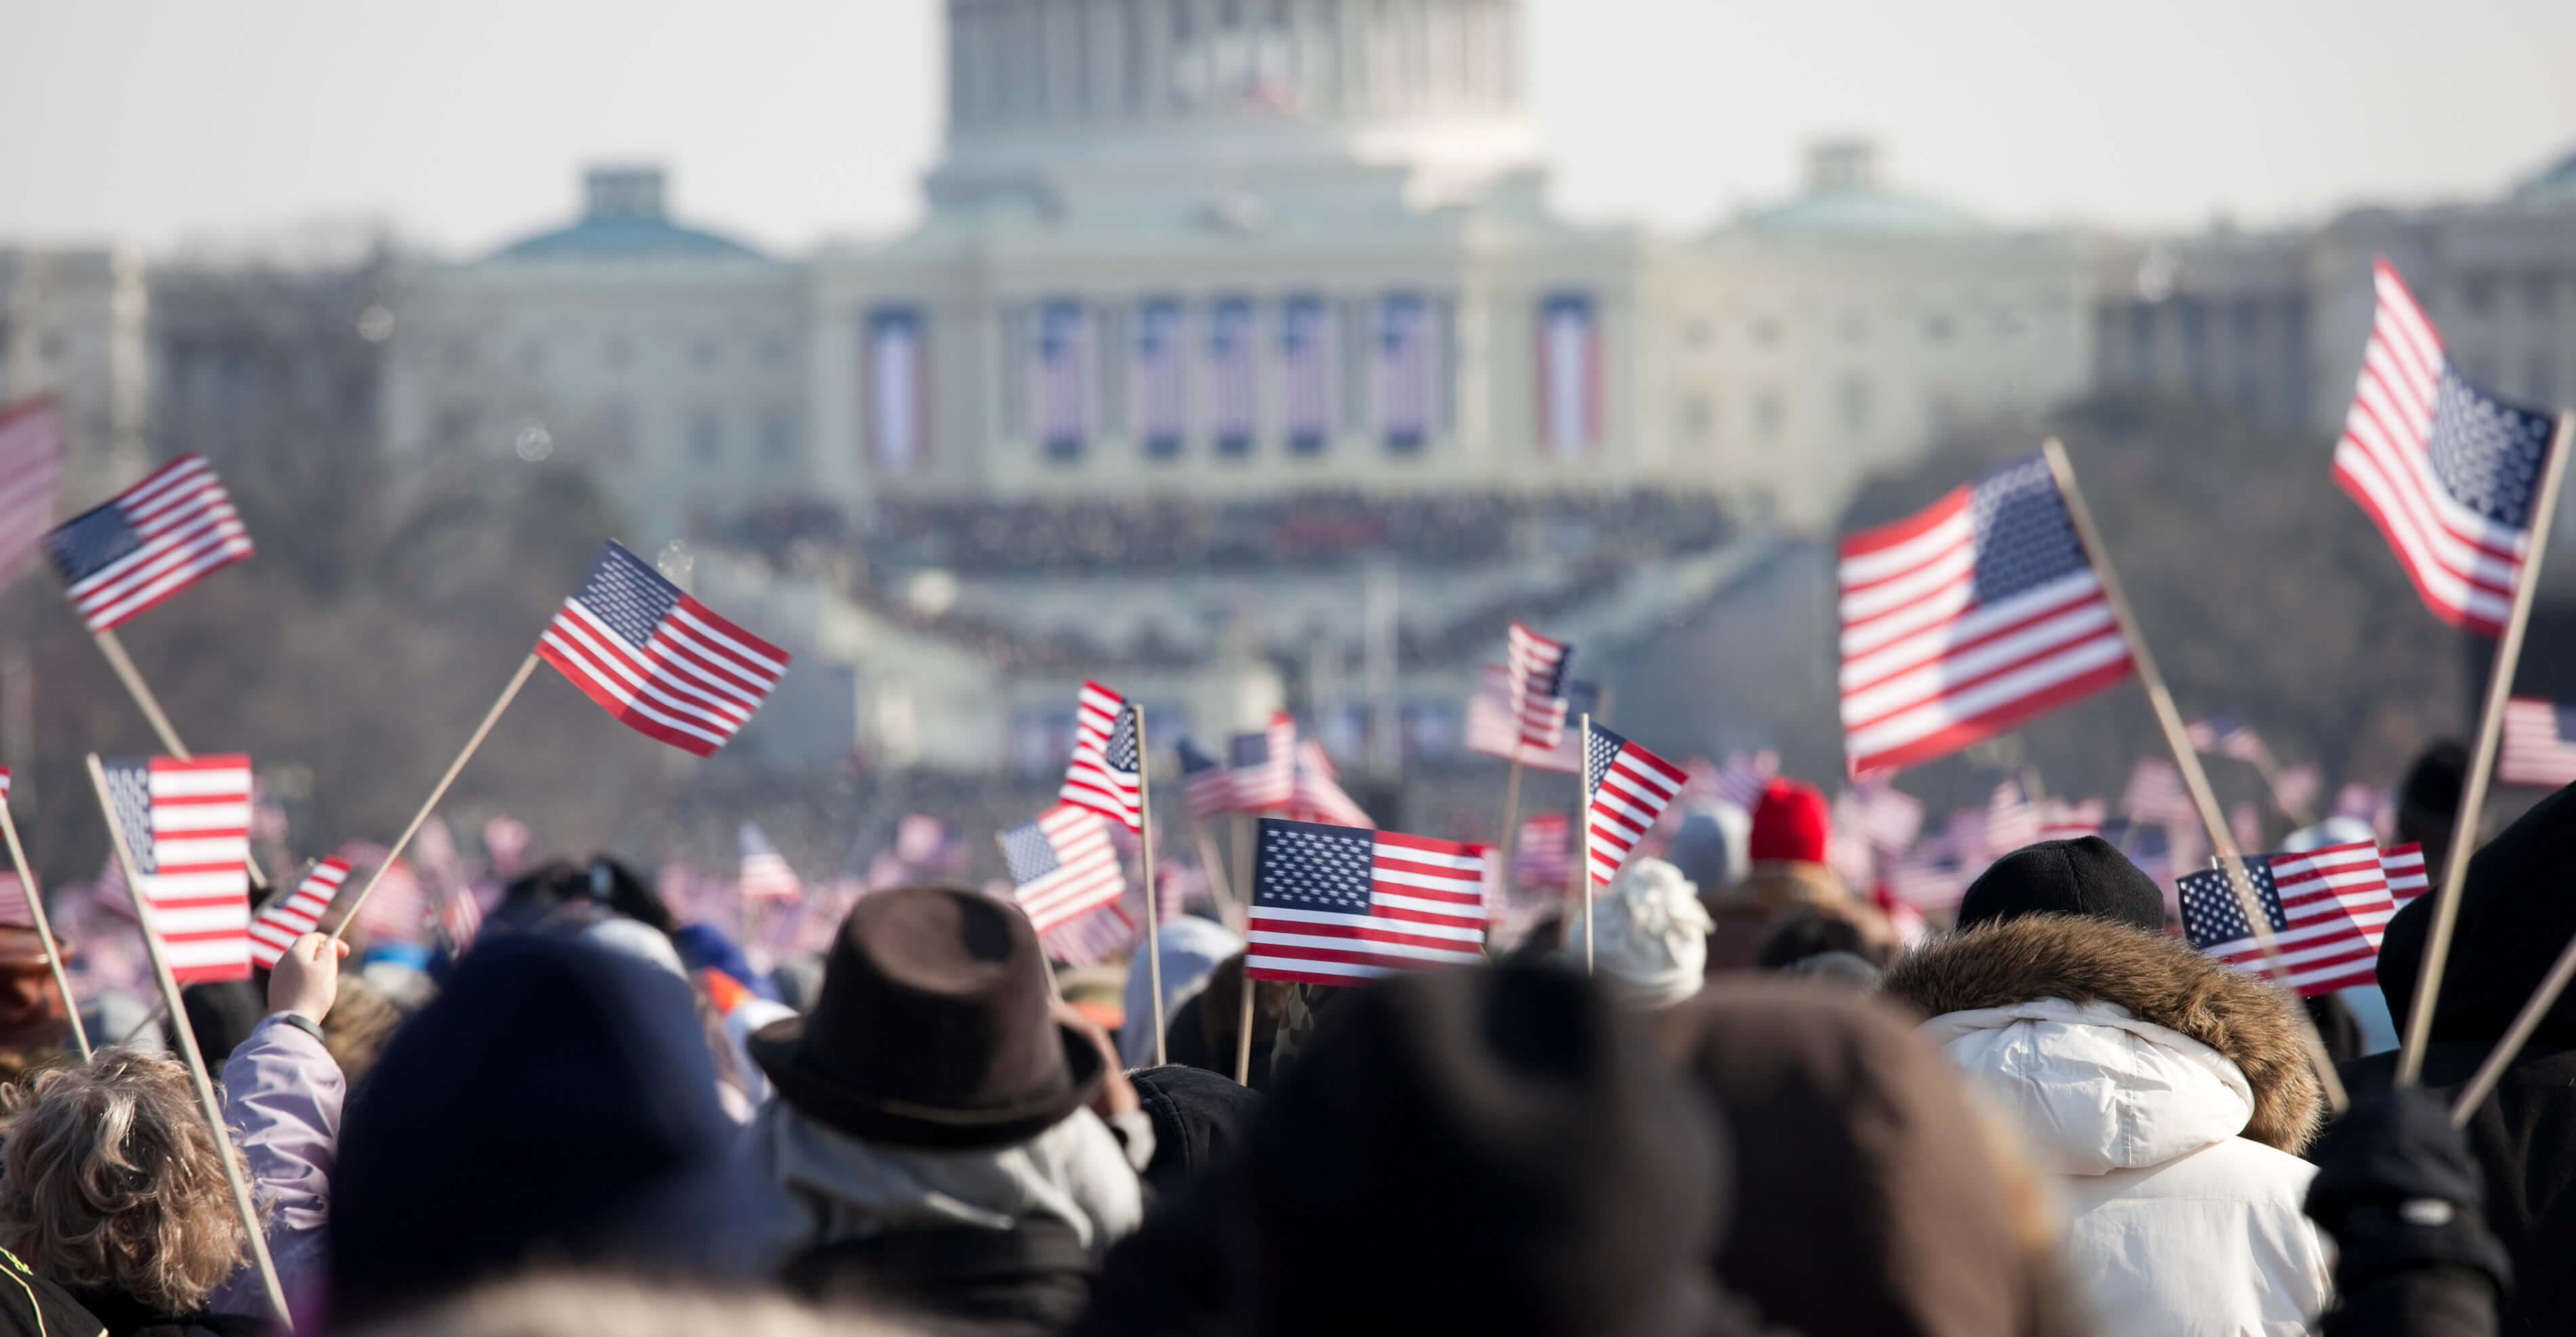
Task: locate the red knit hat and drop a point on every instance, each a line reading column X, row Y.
column 1790, row 822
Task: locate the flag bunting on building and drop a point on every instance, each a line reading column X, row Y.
column 1537, row 685
column 31, row 455
column 151, row 541
column 1063, row 866
column 2447, row 471
column 1106, row 774
column 1332, row 904
column 765, row 875
column 1630, row 789
column 187, row 830
column 2539, row 744
column 657, row 659
column 2326, row 909
column 296, row 913
column 1961, row 622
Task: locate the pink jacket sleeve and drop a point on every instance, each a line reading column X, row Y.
column 282, row 1094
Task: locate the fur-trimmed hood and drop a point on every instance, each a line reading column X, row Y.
column 2154, row 983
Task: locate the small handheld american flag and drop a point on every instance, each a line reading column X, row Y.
column 296, row 913
column 1335, row 905
column 2227, row 736
column 2404, row 867
column 1976, row 614
column 1265, row 765
column 1063, row 866
column 153, row 540
column 1318, row 795
column 658, row 660
column 2325, row 909
column 2447, row 471
column 31, row 449
column 2539, row 744
column 1538, row 674
column 1088, row 940
column 1106, row 774
column 765, row 874
column 1630, row 788
column 1543, row 854
column 1207, row 786
column 187, row 830
column 1493, row 728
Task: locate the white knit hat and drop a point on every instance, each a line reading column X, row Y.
column 1649, row 935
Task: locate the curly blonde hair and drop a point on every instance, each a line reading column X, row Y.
column 111, row 1182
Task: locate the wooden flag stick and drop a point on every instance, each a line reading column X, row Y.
column 1243, row 1027
column 1583, row 861
column 1210, row 859
column 1243, row 859
column 205, row 1084
column 2178, row 741
column 1153, row 912
column 44, row 930
column 2473, row 795
column 141, row 691
column 490, row 718
column 1511, row 825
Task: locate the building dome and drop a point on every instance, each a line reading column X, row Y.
column 2556, row 184
column 1051, row 96
column 623, row 219
column 1845, row 196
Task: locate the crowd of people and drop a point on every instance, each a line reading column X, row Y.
column 1759, row 1110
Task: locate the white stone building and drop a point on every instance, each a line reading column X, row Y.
column 73, row 326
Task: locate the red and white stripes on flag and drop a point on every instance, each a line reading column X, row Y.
column 187, row 830
column 2156, row 793
column 31, row 451
column 658, row 660
column 2447, row 471
column 13, row 894
column 1537, row 685
column 399, row 908
column 1333, row 905
column 1976, row 614
column 2061, row 820
column 1063, row 866
column 296, row 913
column 1543, row 854
column 153, row 540
column 1319, row 796
column 1106, row 774
column 765, row 875
column 1630, row 787
column 2353, row 875
column 2404, row 867
column 1092, row 938
column 2539, row 744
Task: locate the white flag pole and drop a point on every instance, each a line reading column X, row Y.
column 2473, row 795
column 213, row 1108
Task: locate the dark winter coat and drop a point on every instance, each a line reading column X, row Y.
column 2516, row 913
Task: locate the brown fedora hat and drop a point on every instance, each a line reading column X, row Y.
column 932, row 1029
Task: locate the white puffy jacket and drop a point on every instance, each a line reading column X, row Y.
column 2179, row 1227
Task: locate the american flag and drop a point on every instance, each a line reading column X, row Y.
column 1234, row 390
column 2323, row 908
column 1542, row 855
column 1265, row 765
column 1306, row 372
column 2295, row 789
column 1932, row 878
column 2155, row 793
column 31, row 450
column 2012, row 820
column 658, row 660
column 1331, row 904
column 1630, row 789
column 898, row 390
column 1404, row 370
column 399, row 907
column 1158, row 383
column 1206, row 785
column 2226, row 736
column 1537, row 685
column 296, row 913
column 2539, row 743
column 1093, row 938
column 1318, row 796
column 1969, row 618
column 1106, row 774
column 1569, row 382
column 2404, row 867
column 442, row 875
column 1063, row 866
column 1060, row 376
column 2062, row 820
column 765, row 875
column 1494, row 730
column 187, row 830
column 1887, row 817
column 460, row 916
column 2447, row 471
column 1745, row 775
column 155, row 539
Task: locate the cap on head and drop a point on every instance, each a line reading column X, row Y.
column 2088, row 877
column 1791, row 822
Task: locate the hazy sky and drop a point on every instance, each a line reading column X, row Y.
column 463, row 122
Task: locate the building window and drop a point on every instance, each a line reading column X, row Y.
column 1938, row 327
column 777, row 436
column 2249, row 322
column 618, row 351
column 2539, row 381
column 621, row 432
column 706, row 436
column 2010, row 324
column 2477, row 293
column 1766, row 331
column 1695, row 333
column 1770, row 415
column 1695, row 418
column 1853, row 399
column 2540, row 294
column 773, row 350
column 1855, row 327
column 704, row 352
column 532, row 356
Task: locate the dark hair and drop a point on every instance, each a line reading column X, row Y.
column 603, row 880
column 1802, row 931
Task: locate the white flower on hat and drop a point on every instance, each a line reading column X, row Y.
column 1649, row 935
